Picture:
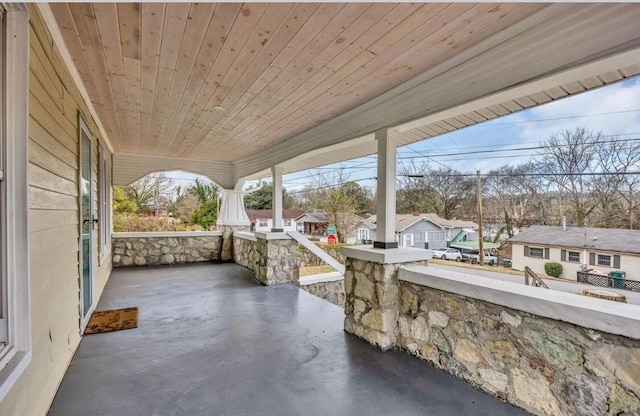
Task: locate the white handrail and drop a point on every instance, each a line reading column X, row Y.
column 324, row 256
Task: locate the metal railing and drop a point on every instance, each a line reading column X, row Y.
column 608, row 281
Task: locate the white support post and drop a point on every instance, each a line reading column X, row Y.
column 386, row 209
column 276, row 173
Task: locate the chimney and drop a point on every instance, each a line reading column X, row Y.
column 416, row 213
column 564, row 223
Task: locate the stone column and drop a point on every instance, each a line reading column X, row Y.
column 277, row 259
column 231, row 217
column 372, row 291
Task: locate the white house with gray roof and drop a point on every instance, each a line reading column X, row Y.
column 600, row 250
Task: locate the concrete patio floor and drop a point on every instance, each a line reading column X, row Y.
column 211, row 341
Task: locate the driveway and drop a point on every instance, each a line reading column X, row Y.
column 565, row 286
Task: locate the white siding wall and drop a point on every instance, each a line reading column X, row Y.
column 269, row 226
column 629, row 263
column 54, row 103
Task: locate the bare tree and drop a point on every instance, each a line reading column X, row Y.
column 443, row 191
column 513, row 192
column 571, row 162
column 341, row 199
column 626, row 161
column 150, row 191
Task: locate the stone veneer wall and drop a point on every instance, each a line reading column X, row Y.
column 244, row 252
column 273, row 259
column 544, row 365
column 372, row 301
column 332, row 291
column 277, row 261
column 151, row 249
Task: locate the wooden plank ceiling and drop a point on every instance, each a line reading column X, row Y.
column 230, row 89
column 222, row 81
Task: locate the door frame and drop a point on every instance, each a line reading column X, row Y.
column 84, row 318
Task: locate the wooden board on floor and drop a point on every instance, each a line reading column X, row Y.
column 112, row 320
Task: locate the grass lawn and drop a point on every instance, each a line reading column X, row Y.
column 498, row 269
column 308, row 271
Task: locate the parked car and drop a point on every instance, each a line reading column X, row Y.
column 474, row 258
column 447, row 254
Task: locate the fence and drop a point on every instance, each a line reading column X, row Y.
column 608, row 281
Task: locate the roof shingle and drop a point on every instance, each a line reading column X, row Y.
column 605, row 239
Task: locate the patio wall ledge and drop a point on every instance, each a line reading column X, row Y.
column 327, row 286
column 549, row 352
column 273, row 257
column 155, row 248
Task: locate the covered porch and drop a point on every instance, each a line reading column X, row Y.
column 212, row 341
column 103, row 94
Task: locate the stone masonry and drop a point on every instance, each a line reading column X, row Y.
column 227, row 231
column 545, row 366
column 273, row 260
column 372, row 299
column 277, row 261
column 155, row 250
column 244, row 252
column 330, row 291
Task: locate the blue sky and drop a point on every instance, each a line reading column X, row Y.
column 612, row 110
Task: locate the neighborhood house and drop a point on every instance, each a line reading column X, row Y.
column 425, row 230
column 262, row 219
column 597, row 250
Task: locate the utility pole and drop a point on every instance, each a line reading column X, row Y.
column 480, row 241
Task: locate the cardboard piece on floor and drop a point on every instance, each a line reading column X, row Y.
column 112, row 320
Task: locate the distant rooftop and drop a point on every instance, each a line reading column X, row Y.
column 605, row 239
column 404, row 221
column 260, row 214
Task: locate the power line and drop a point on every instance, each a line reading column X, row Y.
column 328, row 186
column 562, row 118
column 462, row 175
column 501, row 145
column 513, row 149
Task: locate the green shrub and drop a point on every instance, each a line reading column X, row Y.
column 553, row 269
column 135, row 223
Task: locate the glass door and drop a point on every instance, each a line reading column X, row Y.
column 86, row 226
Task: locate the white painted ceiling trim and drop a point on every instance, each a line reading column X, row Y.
column 128, row 167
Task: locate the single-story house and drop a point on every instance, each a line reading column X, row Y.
column 600, row 250
column 425, row 230
column 314, row 225
column 262, row 219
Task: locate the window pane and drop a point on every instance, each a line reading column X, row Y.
column 604, row 260
column 574, row 256
column 536, row 252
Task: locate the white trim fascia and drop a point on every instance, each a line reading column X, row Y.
column 273, row 236
column 387, row 256
column 84, row 318
column 16, row 107
column 104, row 258
column 320, row 278
column 602, row 315
column 244, row 235
column 56, row 34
